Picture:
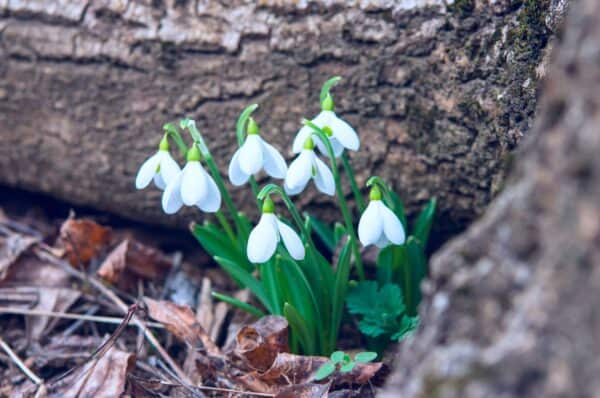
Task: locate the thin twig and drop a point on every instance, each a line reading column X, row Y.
column 66, row 315
column 122, row 307
column 15, row 358
column 221, row 389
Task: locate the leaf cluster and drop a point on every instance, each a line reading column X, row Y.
column 341, row 361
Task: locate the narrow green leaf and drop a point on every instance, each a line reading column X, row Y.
column 240, row 304
column 364, row 357
column 246, row 280
column 424, row 221
column 323, row 232
column 327, row 87
column 270, row 285
column 216, row 243
column 340, row 291
column 398, row 208
column 416, row 271
column 338, row 232
column 298, row 324
column 324, row 371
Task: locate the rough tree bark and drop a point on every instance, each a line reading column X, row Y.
column 512, row 305
column 440, row 94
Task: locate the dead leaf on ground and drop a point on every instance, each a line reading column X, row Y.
column 83, row 239
column 181, row 321
column 132, row 258
column 260, row 343
column 309, row 390
column 11, row 248
column 99, row 378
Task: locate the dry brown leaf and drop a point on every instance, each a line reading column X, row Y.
column 99, row 378
column 134, row 259
column 11, row 248
column 310, row 390
column 83, row 239
column 181, row 321
column 260, row 343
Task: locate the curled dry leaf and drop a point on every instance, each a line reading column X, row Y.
column 11, row 249
column 181, row 321
column 104, row 377
column 260, row 343
column 83, row 239
column 134, row 259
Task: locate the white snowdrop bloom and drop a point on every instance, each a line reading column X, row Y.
column 264, row 238
column 193, row 186
column 255, row 154
column 306, row 166
column 378, row 224
column 341, row 134
column 159, row 167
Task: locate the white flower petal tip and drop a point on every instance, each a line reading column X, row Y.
column 263, row 240
column 171, row 198
column 343, row 136
column 306, row 166
column 159, row 167
column 254, row 155
column 379, row 226
column 211, row 202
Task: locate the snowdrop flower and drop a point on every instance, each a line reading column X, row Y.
column 341, row 134
column 306, row 166
column 264, row 238
column 159, row 167
column 379, row 225
column 254, row 155
column 193, row 186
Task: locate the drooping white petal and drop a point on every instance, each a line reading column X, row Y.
column 274, row 163
column 251, row 156
column 370, row 226
column 301, row 137
column 291, row 240
column 300, row 170
column 336, row 146
column 324, row 178
column 262, row 241
column 211, row 202
column 344, row 133
column 236, row 175
column 382, row 242
column 171, row 198
column 159, row 182
column 193, row 183
column 147, row 171
column 293, row 191
column 169, row 169
column 392, row 227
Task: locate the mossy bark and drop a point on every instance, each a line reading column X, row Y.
column 511, row 308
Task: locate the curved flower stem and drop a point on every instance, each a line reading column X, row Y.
column 171, row 131
column 214, row 170
column 360, row 202
column 270, row 188
column 343, row 203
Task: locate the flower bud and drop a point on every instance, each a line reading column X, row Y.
column 252, row 127
column 375, row 193
column 268, row 206
column 194, row 154
column 164, row 144
column 309, row 143
column 327, row 104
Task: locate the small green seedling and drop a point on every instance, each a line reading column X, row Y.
column 345, row 363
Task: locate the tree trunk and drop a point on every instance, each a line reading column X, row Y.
column 440, row 94
column 511, row 309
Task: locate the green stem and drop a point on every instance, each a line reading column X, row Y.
column 343, row 203
column 360, row 203
column 214, row 170
column 171, row 131
column 254, row 186
column 225, row 224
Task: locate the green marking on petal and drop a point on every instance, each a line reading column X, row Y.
column 327, row 130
